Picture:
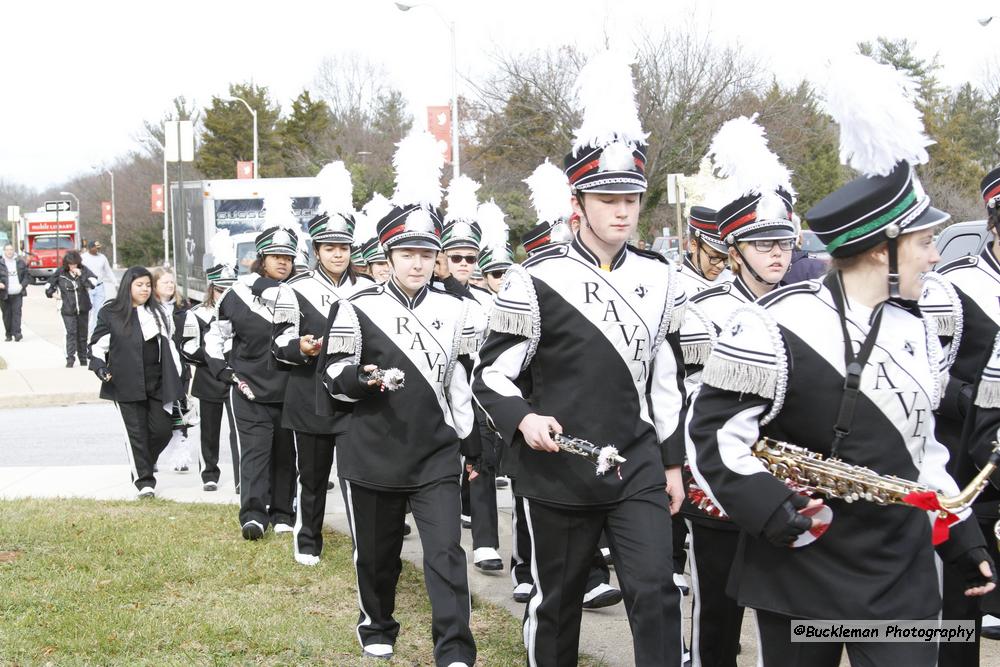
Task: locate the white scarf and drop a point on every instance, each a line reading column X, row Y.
column 151, row 327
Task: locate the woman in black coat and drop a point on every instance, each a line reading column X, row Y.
column 71, row 281
column 132, row 351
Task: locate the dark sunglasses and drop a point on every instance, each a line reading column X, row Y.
column 468, row 259
column 496, row 274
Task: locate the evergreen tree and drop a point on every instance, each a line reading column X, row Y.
column 302, row 133
column 228, row 135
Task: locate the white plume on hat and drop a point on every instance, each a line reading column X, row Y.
column 704, row 188
column 550, row 192
column 740, row 154
column 462, row 200
column 223, row 248
column 377, row 208
column 875, row 106
column 336, row 191
column 606, row 93
column 278, row 212
column 418, row 162
column 491, row 221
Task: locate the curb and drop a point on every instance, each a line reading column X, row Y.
column 47, row 400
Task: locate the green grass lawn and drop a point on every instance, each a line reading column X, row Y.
column 157, row 582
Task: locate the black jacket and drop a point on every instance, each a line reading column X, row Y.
column 192, row 336
column 118, row 347
column 72, row 290
column 22, row 277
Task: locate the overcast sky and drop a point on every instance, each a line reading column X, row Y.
column 78, row 78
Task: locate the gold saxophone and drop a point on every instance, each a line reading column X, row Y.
column 805, row 470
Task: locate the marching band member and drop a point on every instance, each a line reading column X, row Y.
column 249, row 313
column 571, row 327
column 964, row 298
column 211, row 392
column 845, row 368
column 705, row 262
column 550, row 196
column 372, row 252
column 317, row 428
column 402, row 444
column 757, row 229
column 132, row 352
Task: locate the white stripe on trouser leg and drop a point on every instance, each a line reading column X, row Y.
column 236, row 428
column 531, row 625
column 128, row 445
column 513, row 545
column 696, row 594
column 298, row 496
column 354, row 536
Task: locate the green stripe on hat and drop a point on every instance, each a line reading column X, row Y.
column 881, row 221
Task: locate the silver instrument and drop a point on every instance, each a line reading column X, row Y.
column 604, row 458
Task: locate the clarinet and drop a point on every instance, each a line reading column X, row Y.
column 604, row 458
column 243, row 388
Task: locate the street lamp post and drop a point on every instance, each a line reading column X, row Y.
column 407, row 6
column 114, row 226
column 253, row 112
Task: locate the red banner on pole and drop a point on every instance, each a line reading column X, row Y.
column 156, row 198
column 439, row 125
column 106, row 213
column 244, row 169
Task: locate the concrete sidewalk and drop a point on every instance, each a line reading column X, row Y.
column 36, row 373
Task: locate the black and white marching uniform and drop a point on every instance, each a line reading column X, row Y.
column 403, row 447
column 316, row 425
column 778, row 371
column 251, row 313
column 963, row 296
column 211, row 393
column 598, row 350
column 694, row 282
column 144, row 364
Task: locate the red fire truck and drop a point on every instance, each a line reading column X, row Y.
column 48, row 236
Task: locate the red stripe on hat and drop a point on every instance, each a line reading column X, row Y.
column 389, row 233
column 537, row 243
column 583, row 169
column 736, row 224
column 992, row 193
column 640, row 163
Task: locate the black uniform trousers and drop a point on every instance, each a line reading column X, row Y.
column 716, row 618
column 11, row 308
column 680, row 532
column 479, row 502
column 267, row 464
column 563, row 542
column 957, row 606
column 520, row 553
column 376, row 520
column 211, row 432
column 149, row 428
column 313, row 462
column 778, row 650
column 76, row 335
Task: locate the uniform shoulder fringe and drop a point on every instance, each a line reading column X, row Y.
column 988, row 394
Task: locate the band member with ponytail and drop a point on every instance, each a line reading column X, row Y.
column 403, row 440
column 758, row 231
column 846, row 368
column 251, row 313
column 132, row 352
column 317, row 428
column 211, row 392
column 583, row 341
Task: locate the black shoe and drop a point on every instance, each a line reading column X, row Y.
column 330, row 486
column 9, row 338
column 406, row 529
column 522, row 593
column 502, row 483
column 210, row 486
column 253, row 530
column 17, row 338
column 70, row 362
column 990, row 632
column 83, row 362
column 466, row 521
column 601, row 596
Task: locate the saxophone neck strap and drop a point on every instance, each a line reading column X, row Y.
column 853, row 363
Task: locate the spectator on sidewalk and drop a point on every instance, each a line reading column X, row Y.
column 71, row 282
column 134, row 355
column 14, row 281
column 95, row 260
